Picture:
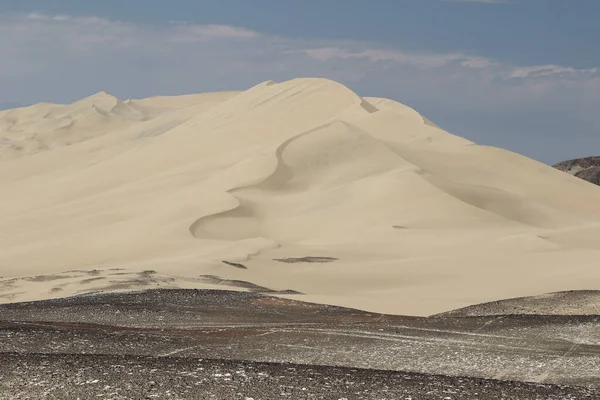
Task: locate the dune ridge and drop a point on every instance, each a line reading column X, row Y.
column 418, row 221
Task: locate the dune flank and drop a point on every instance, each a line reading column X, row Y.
column 411, row 219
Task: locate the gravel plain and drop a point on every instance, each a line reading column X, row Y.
column 211, row 344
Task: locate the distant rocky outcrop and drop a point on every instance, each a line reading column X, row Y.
column 587, row 168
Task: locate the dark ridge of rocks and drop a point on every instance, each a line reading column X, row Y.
column 587, row 168
column 175, row 307
column 289, row 292
column 575, row 302
column 216, row 280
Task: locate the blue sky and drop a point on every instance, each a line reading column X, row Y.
column 520, row 74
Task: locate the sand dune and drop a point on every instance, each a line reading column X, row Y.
column 419, row 221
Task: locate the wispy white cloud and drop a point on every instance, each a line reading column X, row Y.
column 191, row 33
column 418, row 59
column 478, row 62
column 441, row 60
column 379, row 54
column 548, row 70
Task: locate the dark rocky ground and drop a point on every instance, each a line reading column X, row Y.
column 188, row 344
column 71, row 376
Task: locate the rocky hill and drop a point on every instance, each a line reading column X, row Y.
column 587, row 168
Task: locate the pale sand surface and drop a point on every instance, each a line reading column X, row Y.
column 419, row 221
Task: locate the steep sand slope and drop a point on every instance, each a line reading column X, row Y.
column 415, row 220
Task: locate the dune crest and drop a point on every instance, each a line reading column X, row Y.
column 415, row 220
